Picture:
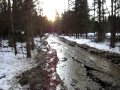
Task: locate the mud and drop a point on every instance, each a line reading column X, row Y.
column 44, row 76
column 85, row 70
column 109, row 56
column 63, row 65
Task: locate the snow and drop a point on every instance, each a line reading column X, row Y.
column 109, row 34
column 37, row 42
column 102, row 46
column 11, row 65
column 91, row 34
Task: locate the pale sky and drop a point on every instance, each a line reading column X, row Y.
column 51, row 6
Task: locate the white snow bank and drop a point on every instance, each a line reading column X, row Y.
column 91, row 34
column 11, row 65
column 109, row 34
column 101, row 46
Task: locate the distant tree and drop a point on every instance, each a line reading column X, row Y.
column 81, row 16
column 100, row 37
column 57, row 23
column 28, row 7
column 100, row 20
column 4, row 22
column 68, row 22
column 113, row 23
column 94, row 9
column 12, row 26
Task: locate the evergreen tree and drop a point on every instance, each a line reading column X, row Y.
column 113, row 23
column 99, row 17
column 68, row 22
column 28, row 7
column 81, row 16
column 100, row 30
column 13, row 41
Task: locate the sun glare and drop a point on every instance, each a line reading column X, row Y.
column 51, row 6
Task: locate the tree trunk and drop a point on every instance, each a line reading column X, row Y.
column 28, row 27
column 12, row 27
column 113, row 25
column 100, row 31
column 32, row 36
column 28, row 46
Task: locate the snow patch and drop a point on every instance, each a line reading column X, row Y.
column 11, row 65
column 102, row 46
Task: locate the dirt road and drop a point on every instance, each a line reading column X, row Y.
column 80, row 70
column 65, row 67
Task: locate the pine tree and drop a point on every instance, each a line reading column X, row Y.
column 99, row 11
column 100, row 31
column 81, row 16
column 12, row 26
column 113, row 23
column 28, row 7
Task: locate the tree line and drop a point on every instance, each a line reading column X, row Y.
column 104, row 19
column 20, row 22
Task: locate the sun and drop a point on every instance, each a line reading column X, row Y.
column 51, row 6
column 51, row 16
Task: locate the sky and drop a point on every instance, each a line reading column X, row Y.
column 50, row 7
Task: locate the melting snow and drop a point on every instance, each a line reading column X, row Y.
column 11, row 65
column 102, row 46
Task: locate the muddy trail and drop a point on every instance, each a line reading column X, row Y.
column 44, row 76
column 82, row 70
column 64, row 66
column 109, row 56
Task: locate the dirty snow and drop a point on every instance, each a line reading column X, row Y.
column 102, row 46
column 11, row 65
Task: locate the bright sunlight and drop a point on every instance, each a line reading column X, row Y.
column 51, row 6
